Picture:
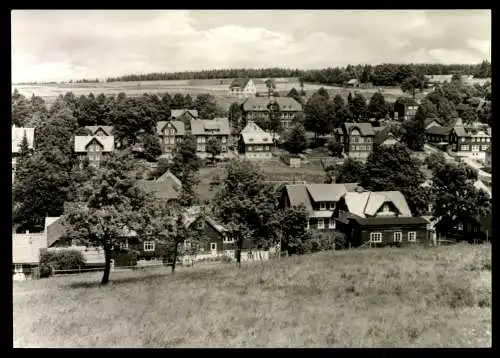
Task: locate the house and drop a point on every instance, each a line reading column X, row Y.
column 183, row 114
column 353, row 82
column 171, row 133
column 487, row 156
column 438, row 135
column 204, row 129
column 17, row 137
column 431, row 122
column 254, row 142
column 357, row 139
column 242, row 88
column 438, row 79
column 378, row 218
column 257, row 108
column 405, row 108
column 100, row 130
column 26, row 253
column 94, row 147
column 385, row 137
column 466, row 228
column 167, row 187
column 320, row 201
column 469, row 142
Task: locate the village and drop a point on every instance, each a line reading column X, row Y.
column 269, row 131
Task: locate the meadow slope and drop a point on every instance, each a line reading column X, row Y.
column 411, row 297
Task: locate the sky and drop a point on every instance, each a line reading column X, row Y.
column 59, row 45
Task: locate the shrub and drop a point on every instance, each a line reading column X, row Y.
column 45, row 270
column 60, row 260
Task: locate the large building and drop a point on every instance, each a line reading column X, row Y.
column 469, row 143
column 242, row 88
column 254, row 142
column 357, row 139
column 203, row 130
column 171, row 133
column 259, row 108
column 94, row 148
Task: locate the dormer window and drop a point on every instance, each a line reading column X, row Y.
column 322, row 206
column 332, row 206
column 250, row 139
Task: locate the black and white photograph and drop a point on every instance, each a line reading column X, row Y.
column 251, row 178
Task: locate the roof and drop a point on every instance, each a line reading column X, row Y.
column 205, row 126
column 192, row 213
column 17, row 137
column 178, row 125
column 460, row 131
column 382, row 135
column 54, row 230
column 252, row 133
column 368, row 203
column 397, row 220
column 168, row 176
column 297, row 194
column 26, row 248
column 107, row 129
column 164, row 189
column 326, row 192
column 261, row 104
column 107, row 143
column 352, row 81
column 438, row 78
column 175, row 113
column 239, row 82
column 438, row 130
column 430, row 121
column 366, row 129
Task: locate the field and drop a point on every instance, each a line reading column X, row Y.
column 411, row 297
column 217, row 87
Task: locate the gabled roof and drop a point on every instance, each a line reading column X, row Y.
column 175, row 113
column 461, row 132
column 297, row 194
column 204, row 126
column 368, row 203
column 239, row 82
column 107, row 129
column 326, row 192
column 439, row 130
column 253, row 134
column 353, row 81
column 54, row 229
column 178, row 125
column 163, row 190
column 168, row 176
column 366, row 129
column 17, row 137
column 192, row 213
column 261, row 104
column 382, row 135
column 398, row 220
column 107, row 143
column 429, row 121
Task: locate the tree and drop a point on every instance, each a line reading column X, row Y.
column 413, row 134
column 161, row 167
column 235, row 116
column 302, row 92
column 213, row 147
column 335, row 147
column 317, row 115
column 177, row 101
column 377, row 107
column 393, row 167
column 455, row 194
column 435, row 161
column 185, row 157
column 105, row 208
column 366, row 74
column 206, row 105
column 411, row 84
column 270, row 85
column 152, row 147
column 469, row 115
column 274, row 117
column 296, row 139
column 324, row 93
column 358, row 107
column 21, row 111
column 351, row 171
column 243, row 202
column 188, row 101
column 484, row 70
column 293, row 229
column 340, row 111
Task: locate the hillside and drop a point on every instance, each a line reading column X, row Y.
column 413, row 297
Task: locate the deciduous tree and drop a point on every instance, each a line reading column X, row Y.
column 296, row 139
column 213, row 147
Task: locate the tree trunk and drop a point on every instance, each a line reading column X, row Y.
column 107, row 264
column 238, row 251
column 175, row 256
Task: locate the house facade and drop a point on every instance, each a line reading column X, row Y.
column 94, row 148
column 203, row 130
column 320, row 201
column 379, row 219
column 242, row 88
column 353, row 82
column 357, row 139
column 438, row 135
column 254, row 142
column 170, row 133
column 258, row 108
column 471, row 143
column 26, row 253
column 385, row 137
column 405, row 108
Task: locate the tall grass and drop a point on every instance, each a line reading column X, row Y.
column 436, row 297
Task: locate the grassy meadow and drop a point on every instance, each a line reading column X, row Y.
column 217, row 87
column 408, row 297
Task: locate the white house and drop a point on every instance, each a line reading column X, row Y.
column 242, row 88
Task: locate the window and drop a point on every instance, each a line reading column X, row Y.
column 201, row 224
column 149, row 245
column 307, row 226
column 484, row 147
column 321, row 223
column 355, row 139
column 463, row 139
column 201, row 148
column 266, row 147
column 475, row 148
column 223, row 139
column 250, row 148
column 332, row 206
column 398, row 236
column 487, row 140
column 223, row 147
column 213, row 246
column 375, row 237
column 412, row 236
column 124, row 244
column 464, row 147
column 322, row 206
column 18, row 268
column 460, row 226
column 227, row 240
column 331, row 224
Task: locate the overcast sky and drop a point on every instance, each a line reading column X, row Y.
column 61, row 45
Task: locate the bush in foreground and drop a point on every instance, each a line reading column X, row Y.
column 60, row 260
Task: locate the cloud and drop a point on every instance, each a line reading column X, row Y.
column 73, row 44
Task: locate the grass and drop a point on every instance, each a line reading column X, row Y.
column 409, row 297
